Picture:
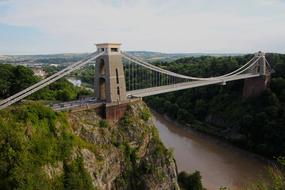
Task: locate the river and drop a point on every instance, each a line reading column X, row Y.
column 219, row 163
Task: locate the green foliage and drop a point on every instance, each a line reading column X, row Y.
column 201, row 108
column 61, row 90
column 87, row 74
column 281, row 161
column 275, row 179
column 145, row 114
column 31, row 137
column 172, row 110
column 190, row 181
column 76, row 177
column 51, row 69
column 14, row 79
column 127, row 119
column 103, row 123
column 184, row 116
column 157, row 103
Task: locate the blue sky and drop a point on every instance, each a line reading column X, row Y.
column 213, row 26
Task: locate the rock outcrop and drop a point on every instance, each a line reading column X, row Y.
column 126, row 155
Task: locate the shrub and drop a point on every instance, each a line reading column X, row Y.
column 275, row 179
column 103, row 123
column 145, row 114
column 76, row 177
column 190, row 182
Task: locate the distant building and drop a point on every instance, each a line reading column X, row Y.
column 75, row 82
column 39, row 72
column 53, row 65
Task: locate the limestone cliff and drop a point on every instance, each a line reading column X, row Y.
column 126, row 155
column 42, row 149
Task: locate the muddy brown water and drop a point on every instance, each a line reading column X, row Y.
column 219, row 163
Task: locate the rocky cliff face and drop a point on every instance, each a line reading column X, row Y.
column 126, row 155
column 42, row 149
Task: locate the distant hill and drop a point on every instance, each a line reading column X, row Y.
column 154, row 56
column 43, row 59
column 72, row 57
column 5, row 57
column 44, row 56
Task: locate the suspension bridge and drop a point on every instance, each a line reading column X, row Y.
column 120, row 77
column 165, row 81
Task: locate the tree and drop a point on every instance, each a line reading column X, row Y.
column 23, row 78
column 172, row 110
column 246, row 123
column 185, row 116
column 190, row 182
column 14, row 79
column 201, row 108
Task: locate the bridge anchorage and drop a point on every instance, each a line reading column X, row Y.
column 121, row 78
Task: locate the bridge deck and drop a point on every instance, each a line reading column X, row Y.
column 186, row 85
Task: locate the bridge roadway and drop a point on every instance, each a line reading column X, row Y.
column 186, row 85
column 77, row 104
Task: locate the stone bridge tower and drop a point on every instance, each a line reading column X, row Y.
column 255, row 86
column 110, row 85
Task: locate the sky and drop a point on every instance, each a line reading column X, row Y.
column 171, row 26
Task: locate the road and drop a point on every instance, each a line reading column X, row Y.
column 64, row 106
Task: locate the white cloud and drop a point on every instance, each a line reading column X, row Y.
column 171, row 26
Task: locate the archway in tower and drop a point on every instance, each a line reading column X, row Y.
column 102, row 67
column 102, row 89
